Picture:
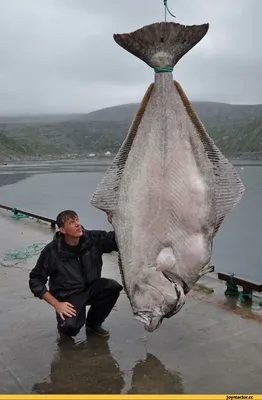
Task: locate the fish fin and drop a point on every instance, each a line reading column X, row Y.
column 181, row 299
column 228, row 185
column 206, row 270
column 162, row 44
column 123, row 276
column 105, row 196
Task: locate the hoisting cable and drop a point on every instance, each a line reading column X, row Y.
column 167, row 10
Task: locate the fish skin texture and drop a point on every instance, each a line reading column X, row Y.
column 169, row 188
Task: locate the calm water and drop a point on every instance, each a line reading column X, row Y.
column 47, row 188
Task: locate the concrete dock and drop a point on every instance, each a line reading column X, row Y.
column 211, row 346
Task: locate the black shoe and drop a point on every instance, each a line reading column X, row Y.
column 99, row 329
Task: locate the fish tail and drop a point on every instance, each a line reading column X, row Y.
column 161, row 45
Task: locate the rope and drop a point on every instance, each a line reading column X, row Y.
column 167, row 10
column 24, row 254
column 17, row 215
column 163, row 69
column 232, row 290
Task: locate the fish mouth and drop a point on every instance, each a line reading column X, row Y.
column 153, row 319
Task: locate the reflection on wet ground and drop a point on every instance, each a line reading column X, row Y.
column 150, row 377
column 89, row 367
column 84, row 367
column 205, row 348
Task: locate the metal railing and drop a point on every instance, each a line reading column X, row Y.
column 40, row 217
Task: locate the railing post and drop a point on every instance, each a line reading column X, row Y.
column 247, row 293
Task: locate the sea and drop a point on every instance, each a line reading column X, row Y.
column 47, row 187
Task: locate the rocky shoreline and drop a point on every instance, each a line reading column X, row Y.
column 4, row 160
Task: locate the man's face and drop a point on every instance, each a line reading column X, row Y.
column 72, row 227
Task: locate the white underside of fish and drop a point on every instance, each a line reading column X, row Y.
column 164, row 205
column 169, row 188
column 164, row 197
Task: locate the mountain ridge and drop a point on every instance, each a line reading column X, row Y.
column 236, row 129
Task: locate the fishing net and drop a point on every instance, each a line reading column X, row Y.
column 21, row 255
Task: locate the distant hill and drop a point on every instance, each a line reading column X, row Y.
column 236, row 129
column 12, row 149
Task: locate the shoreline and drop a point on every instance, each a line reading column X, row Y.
column 85, row 157
column 16, row 171
column 105, row 160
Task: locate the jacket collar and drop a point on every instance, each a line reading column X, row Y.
column 85, row 240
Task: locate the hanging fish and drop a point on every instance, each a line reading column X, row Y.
column 169, row 187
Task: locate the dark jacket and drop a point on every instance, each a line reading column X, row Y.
column 67, row 272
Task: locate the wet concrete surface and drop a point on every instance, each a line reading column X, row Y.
column 206, row 348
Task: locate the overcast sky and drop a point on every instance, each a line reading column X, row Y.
column 59, row 56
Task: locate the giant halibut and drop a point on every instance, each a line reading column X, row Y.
column 169, row 187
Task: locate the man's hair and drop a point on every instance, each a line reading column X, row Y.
column 63, row 216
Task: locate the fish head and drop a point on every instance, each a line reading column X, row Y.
column 163, row 299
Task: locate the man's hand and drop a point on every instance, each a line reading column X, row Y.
column 109, row 217
column 62, row 308
column 65, row 308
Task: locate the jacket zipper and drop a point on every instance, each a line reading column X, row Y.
column 82, row 270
